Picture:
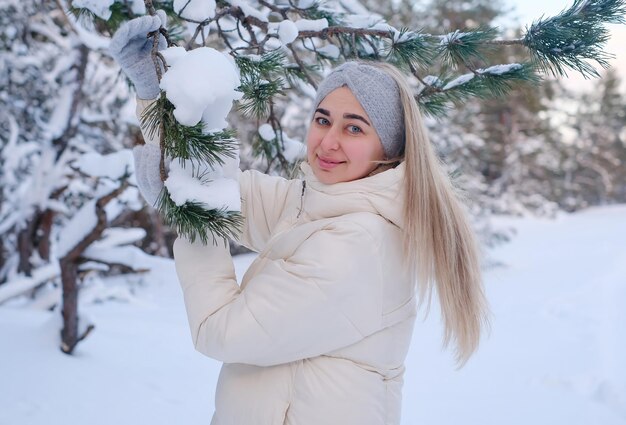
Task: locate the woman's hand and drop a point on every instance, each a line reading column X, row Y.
column 147, row 161
column 132, row 50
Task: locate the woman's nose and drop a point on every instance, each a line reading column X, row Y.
column 330, row 141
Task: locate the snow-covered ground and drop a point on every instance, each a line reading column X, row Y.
column 556, row 354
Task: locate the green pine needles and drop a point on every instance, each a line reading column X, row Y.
column 409, row 47
column 187, row 142
column 193, row 220
column 573, row 36
column 463, row 47
column 181, row 142
column 262, row 78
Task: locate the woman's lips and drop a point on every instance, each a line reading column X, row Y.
column 328, row 164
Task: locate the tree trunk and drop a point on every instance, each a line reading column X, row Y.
column 26, row 244
column 45, row 227
column 69, row 276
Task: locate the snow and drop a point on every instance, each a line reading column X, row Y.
column 195, row 10
column 213, row 190
column 267, row 132
column 113, row 166
column 367, row 21
column 130, row 256
column 13, row 153
column 330, row 50
column 293, row 149
column 26, row 283
column 403, row 37
column 249, row 10
column 287, row 31
column 59, row 120
column 305, row 4
column 77, row 228
column 190, row 84
column 452, row 36
column 100, row 8
column 555, row 355
column 138, row 7
column 311, row 24
column 432, row 80
column 85, row 219
column 116, row 236
column 88, row 37
column 173, row 54
column 459, row 81
column 500, row 69
column 54, row 35
column 353, row 6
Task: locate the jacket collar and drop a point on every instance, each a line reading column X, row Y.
column 380, row 194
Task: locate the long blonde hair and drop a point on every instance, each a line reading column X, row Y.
column 440, row 245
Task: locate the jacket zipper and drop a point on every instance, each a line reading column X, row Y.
column 301, row 198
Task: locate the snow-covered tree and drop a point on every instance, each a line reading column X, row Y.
column 594, row 158
column 65, row 172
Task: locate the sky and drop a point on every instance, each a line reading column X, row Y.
column 529, row 10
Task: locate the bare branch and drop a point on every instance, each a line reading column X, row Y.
column 302, row 66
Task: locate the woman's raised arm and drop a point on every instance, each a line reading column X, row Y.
column 325, row 296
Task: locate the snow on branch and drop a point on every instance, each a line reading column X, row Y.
column 21, row 285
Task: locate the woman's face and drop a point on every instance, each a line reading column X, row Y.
column 341, row 142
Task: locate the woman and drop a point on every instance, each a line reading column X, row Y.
column 319, row 329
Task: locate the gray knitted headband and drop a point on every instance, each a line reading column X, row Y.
column 378, row 94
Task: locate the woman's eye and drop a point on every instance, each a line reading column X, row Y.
column 321, row 120
column 354, row 129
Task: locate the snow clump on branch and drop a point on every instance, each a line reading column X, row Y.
column 100, row 8
column 201, row 84
column 218, row 189
column 195, row 10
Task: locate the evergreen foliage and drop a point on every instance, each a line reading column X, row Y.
column 193, row 220
column 192, row 143
column 448, row 69
column 573, row 36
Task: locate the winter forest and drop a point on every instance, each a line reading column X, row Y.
column 92, row 324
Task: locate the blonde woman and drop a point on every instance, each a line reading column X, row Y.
column 318, row 331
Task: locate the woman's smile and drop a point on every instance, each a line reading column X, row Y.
column 327, row 163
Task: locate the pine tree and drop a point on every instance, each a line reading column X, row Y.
column 273, row 63
column 596, row 156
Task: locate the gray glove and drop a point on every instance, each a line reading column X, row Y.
column 147, row 161
column 131, row 48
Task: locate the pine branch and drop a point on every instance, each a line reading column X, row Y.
column 193, row 220
column 407, row 47
column 187, row 142
column 413, row 49
column 461, row 47
column 573, row 36
column 438, row 95
column 261, row 80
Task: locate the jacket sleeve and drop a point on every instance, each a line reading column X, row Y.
column 324, row 297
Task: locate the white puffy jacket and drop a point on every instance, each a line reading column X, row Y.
column 319, row 329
